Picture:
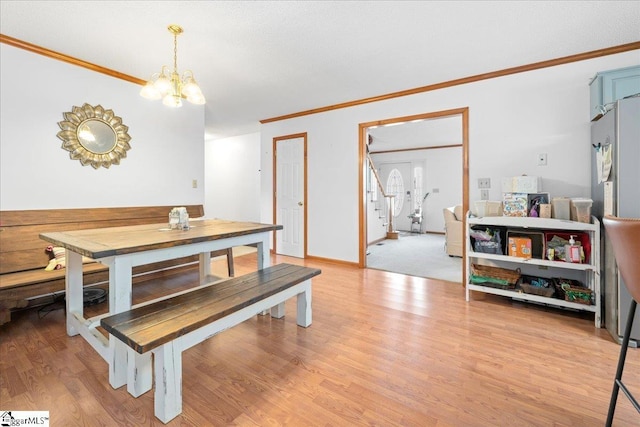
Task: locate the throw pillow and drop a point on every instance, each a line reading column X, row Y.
column 57, row 258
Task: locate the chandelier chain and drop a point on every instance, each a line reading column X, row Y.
column 175, row 53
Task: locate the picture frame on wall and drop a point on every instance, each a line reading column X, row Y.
column 534, row 200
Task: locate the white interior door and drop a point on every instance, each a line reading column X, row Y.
column 290, row 197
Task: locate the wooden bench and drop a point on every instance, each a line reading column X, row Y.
column 170, row 326
column 24, row 282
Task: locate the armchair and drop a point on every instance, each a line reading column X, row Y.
column 453, row 217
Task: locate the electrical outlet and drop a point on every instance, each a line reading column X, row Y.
column 484, row 194
column 194, row 183
column 542, row 159
column 435, row 190
column 484, row 182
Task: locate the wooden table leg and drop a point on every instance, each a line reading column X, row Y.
column 205, row 266
column 263, row 262
column 73, row 289
column 125, row 366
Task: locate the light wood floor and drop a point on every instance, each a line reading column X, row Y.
column 384, row 349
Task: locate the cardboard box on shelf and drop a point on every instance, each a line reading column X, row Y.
column 534, row 241
column 545, row 210
column 515, row 204
column 520, row 247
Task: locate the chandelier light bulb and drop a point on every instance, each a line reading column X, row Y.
column 149, row 91
column 197, row 99
column 190, row 88
column 162, row 85
column 173, row 101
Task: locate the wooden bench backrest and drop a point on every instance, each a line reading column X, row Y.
column 22, row 249
column 147, row 327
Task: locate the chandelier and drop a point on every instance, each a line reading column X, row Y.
column 170, row 86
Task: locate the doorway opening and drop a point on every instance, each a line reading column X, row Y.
column 430, row 145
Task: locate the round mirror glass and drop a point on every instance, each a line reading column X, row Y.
column 96, row 136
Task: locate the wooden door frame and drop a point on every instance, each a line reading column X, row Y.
column 362, row 167
column 274, row 151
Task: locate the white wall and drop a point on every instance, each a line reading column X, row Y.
column 232, row 176
column 444, row 174
column 511, row 120
column 166, row 153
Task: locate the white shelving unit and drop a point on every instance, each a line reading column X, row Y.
column 588, row 272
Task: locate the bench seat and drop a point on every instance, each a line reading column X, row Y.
column 29, row 283
column 24, row 282
column 172, row 325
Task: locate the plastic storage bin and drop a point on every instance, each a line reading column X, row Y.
column 581, row 210
column 487, row 208
column 561, row 208
column 559, row 255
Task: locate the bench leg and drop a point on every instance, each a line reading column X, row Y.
column 117, row 369
column 5, row 314
column 139, row 372
column 304, row 306
column 6, row 305
column 277, row 311
column 168, row 377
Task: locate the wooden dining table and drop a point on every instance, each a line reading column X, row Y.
column 121, row 249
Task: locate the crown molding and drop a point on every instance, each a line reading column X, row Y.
column 68, row 59
column 478, row 77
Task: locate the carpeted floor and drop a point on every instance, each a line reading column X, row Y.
column 420, row 255
column 416, row 254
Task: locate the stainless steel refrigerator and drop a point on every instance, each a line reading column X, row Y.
column 615, row 161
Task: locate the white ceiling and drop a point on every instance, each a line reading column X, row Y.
column 261, row 59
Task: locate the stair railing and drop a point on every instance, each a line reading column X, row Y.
column 389, row 197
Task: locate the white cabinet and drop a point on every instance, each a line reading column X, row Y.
column 588, row 273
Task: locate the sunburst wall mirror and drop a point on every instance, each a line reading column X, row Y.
column 95, row 136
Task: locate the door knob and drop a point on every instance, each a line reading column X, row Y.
column 299, row 203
